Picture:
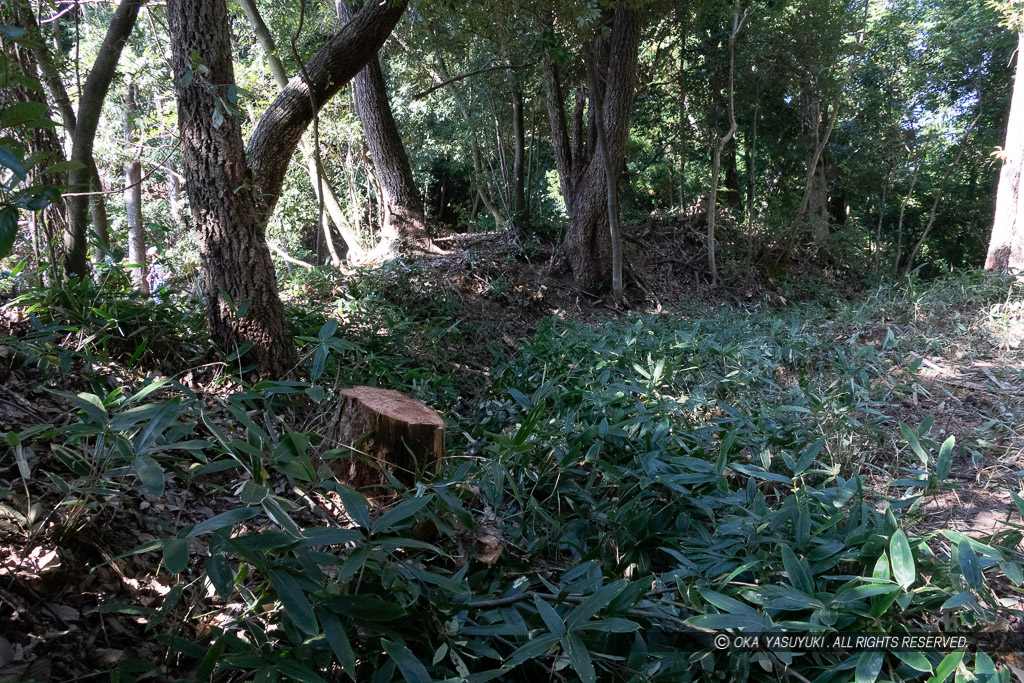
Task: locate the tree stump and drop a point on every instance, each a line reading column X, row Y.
column 385, row 431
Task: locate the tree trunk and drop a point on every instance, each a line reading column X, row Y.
column 611, row 176
column 50, row 77
column 588, row 243
column 817, row 207
column 136, row 229
column 94, row 92
column 404, row 220
column 387, row 433
column 817, row 200
column 223, row 181
column 485, row 197
column 720, row 143
column 903, row 210
column 174, row 192
column 40, row 141
column 812, row 165
column 237, row 274
column 1006, row 247
column 133, row 199
column 520, row 217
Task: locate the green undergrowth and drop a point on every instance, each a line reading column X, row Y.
column 614, row 490
column 110, row 323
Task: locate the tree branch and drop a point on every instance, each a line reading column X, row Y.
column 279, row 130
column 456, row 79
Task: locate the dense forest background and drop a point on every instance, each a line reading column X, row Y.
column 710, row 312
column 894, row 108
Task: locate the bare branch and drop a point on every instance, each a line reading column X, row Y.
column 462, row 77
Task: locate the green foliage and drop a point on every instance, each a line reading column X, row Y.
column 111, row 322
column 639, row 480
column 22, row 164
column 394, row 326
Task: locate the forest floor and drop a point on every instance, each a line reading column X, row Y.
column 965, row 357
column 79, row 600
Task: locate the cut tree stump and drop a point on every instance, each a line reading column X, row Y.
column 384, row 431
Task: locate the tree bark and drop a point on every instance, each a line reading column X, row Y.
column 1006, row 247
column 233, row 190
column 279, row 130
column 94, row 92
column 133, row 199
column 404, row 219
column 582, row 175
column 237, row 274
column 610, row 176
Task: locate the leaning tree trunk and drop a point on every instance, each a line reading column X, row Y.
column 94, row 92
column 238, row 278
column 273, row 142
column 1006, row 248
column 404, row 219
column 133, row 199
column 317, row 176
column 581, row 171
